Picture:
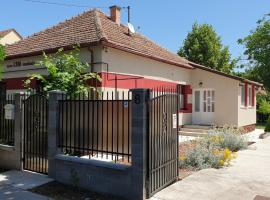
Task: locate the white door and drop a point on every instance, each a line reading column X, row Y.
column 203, row 106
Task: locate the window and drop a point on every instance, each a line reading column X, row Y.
column 197, row 101
column 208, row 101
column 243, row 95
column 250, row 96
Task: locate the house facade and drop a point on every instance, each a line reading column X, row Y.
column 9, row 36
column 127, row 60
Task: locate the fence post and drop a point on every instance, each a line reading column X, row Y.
column 53, row 112
column 18, row 130
column 139, row 147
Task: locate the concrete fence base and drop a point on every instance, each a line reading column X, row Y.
column 99, row 176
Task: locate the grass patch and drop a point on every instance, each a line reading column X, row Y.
column 260, row 125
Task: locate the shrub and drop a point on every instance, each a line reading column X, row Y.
column 267, row 126
column 202, row 157
column 227, row 137
column 215, row 150
column 199, row 158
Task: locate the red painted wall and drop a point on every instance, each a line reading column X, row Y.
column 17, row 83
column 187, row 106
column 111, row 80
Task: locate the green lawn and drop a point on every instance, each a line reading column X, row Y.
column 260, row 126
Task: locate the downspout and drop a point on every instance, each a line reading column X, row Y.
column 91, row 59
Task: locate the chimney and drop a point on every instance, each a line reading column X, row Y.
column 115, row 14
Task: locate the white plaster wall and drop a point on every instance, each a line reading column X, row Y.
column 126, row 63
column 26, row 71
column 184, row 118
column 226, row 95
column 10, row 38
column 246, row 115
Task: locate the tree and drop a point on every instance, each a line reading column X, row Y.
column 2, row 53
column 257, row 50
column 203, row 46
column 2, row 58
column 66, row 73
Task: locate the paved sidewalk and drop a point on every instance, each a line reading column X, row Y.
column 247, row 179
column 13, row 185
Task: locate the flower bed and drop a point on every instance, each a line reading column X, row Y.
column 212, row 151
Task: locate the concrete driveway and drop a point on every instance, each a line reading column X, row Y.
column 248, row 178
column 14, row 185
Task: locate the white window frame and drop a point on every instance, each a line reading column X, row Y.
column 208, row 100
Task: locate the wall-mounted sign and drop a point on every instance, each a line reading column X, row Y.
column 174, row 116
column 9, row 111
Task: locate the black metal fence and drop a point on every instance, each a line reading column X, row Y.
column 163, row 138
column 96, row 126
column 6, row 125
column 35, row 128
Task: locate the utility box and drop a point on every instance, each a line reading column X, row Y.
column 9, row 111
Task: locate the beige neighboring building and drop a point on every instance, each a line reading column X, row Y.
column 9, row 36
column 127, row 60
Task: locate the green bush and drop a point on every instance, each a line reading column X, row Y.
column 228, row 137
column 267, row 126
column 200, row 158
column 214, row 150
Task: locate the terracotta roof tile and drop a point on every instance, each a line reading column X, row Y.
column 91, row 27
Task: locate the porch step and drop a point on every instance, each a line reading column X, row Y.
column 205, row 127
column 194, row 134
column 195, row 130
column 198, row 130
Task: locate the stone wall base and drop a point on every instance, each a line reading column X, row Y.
column 248, row 128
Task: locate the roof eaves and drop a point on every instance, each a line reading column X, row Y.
column 49, row 51
column 224, row 74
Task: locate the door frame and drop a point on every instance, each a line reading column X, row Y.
column 202, row 117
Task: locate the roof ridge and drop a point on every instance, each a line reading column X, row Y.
column 100, row 33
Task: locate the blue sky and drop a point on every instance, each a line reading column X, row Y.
column 165, row 22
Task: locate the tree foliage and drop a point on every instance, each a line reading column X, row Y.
column 2, row 53
column 66, row 73
column 2, row 58
column 203, row 46
column 257, row 50
column 264, row 107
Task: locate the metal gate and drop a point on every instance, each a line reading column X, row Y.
column 163, row 140
column 35, row 145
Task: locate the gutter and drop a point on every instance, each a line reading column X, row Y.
column 49, row 51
